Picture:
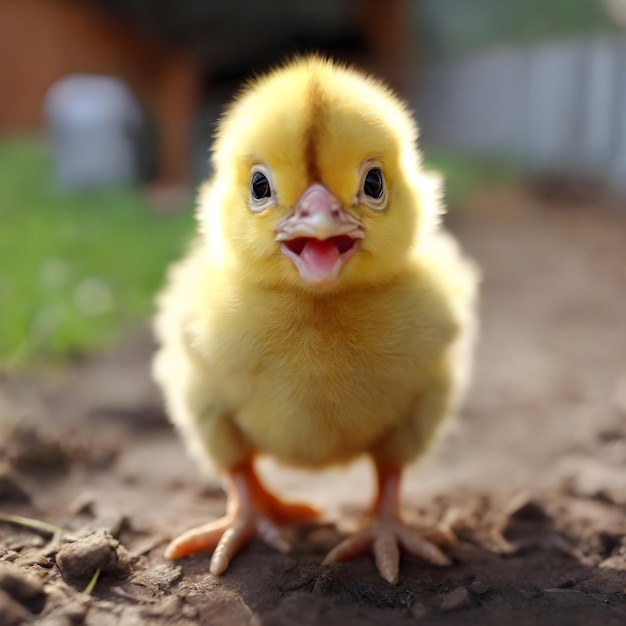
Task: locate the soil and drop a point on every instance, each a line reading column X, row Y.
column 531, row 477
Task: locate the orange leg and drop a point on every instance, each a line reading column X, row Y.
column 251, row 511
column 387, row 532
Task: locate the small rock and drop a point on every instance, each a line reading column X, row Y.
column 100, row 550
column 566, row 583
column 12, row 613
column 479, row 588
column 18, row 585
column 456, row 599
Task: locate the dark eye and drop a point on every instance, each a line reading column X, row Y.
column 260, row 186
column 374, row 184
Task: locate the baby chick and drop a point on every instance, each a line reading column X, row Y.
column 322, row 313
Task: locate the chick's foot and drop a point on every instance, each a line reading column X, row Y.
column 387, row 533
column 252, row 511
column 384, row 539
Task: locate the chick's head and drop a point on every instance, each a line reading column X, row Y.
column 317, row 180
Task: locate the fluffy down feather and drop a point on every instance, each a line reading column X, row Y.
column 254, row 359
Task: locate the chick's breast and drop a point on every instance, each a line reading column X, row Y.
column 309, row 381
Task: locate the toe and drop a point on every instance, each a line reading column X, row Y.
column 204, row 537
column 230, row 543
column 349, row 548
column 413, row 543
column 387, row 555
column 441, row 536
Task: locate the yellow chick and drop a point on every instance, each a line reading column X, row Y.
column 322, row 313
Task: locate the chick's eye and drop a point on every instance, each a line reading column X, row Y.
column 374, row 184
column 260, row 186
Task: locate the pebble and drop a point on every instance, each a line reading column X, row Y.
column 479, row 588
column 456, row 599
column 100, row 550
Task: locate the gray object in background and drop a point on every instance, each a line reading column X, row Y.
column 94, row 123
column 557, row 105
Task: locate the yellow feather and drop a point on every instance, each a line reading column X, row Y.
column 251, row 360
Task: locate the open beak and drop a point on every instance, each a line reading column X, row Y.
column 319, row 237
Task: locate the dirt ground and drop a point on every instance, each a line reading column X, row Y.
column 531, row 477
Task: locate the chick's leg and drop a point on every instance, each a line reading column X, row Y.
column 251, row 511
column 387, row 532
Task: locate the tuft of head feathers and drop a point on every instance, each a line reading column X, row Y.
column 313, row 120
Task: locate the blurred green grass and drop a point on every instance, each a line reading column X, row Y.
column 77, row 269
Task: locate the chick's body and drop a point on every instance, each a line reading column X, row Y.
column 309, row 380
column 314, row 348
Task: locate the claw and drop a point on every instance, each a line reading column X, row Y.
column 387, row 555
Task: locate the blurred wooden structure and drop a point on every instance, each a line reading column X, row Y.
column 42, row 40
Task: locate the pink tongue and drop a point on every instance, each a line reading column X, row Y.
column 318, row 262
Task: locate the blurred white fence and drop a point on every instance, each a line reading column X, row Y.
column 558, row 105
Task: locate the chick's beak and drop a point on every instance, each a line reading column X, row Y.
column 319, row 236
